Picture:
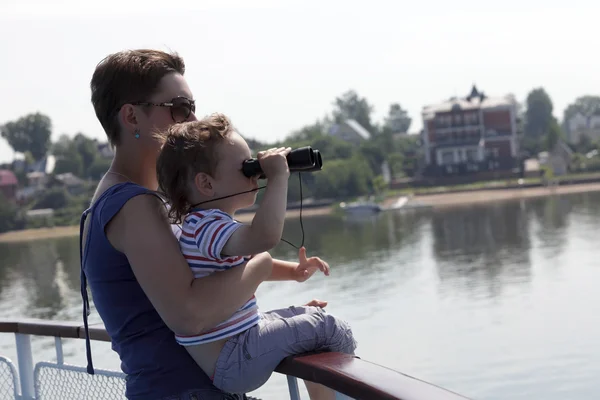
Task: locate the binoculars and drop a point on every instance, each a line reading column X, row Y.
column 303, row 159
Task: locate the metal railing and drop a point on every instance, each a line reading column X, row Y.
column 350, row 376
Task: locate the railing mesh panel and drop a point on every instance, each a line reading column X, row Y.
column 66, row 382
column 8, row 380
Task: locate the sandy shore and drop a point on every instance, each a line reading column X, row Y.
column 484, row 196
column 437, row 201
column 41, row 233
column 310, row 212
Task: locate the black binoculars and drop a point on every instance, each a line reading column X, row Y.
column 304, row 159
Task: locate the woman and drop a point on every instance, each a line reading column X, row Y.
column 139, row 280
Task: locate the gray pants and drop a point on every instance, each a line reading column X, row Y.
column 248, row 359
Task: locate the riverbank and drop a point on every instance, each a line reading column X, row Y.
column 26, row 235
column 468, row 198
column 437, row 201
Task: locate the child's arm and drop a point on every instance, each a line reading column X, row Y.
column 300, row 271
column 263, row 264
column 266, row 228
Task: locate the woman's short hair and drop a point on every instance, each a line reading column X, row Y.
column 125, row 77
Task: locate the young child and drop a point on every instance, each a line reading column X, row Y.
column 200, row 172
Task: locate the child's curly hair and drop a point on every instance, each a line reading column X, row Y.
column 187, row 149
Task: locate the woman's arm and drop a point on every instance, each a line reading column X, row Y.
column 188, row 306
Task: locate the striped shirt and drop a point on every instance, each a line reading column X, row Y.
column 204, row 233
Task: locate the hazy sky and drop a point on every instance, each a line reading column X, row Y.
column 274, row 66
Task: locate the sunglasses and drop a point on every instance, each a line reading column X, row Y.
column 181, row 107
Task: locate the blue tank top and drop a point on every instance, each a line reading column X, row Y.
column 155, row 365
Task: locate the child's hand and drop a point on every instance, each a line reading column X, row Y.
column 317, row 303
column 307, row 267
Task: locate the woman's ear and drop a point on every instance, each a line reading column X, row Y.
column 204, row 184
column 129, row 120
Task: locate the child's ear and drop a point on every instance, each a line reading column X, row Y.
column 203, row 183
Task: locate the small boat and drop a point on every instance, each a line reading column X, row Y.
column 399, row 203
column 350, row 376
column 361, row 208
column 405, row 203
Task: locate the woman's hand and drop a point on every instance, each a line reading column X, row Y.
column 308, row 266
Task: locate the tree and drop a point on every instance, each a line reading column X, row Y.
column 8, row 215
column 98, row 168
column 397, row 119
column 374, row 154
column 538, row 115
column 586, row 105
column 68, row 158
column 76, row 155
column 87, row 149
column 54, row 198
column 553, row 136
column 29, row 133
column 351, row 106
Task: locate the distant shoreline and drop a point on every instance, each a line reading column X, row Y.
column 468, row 198
column 25, row 235
column 436, row 201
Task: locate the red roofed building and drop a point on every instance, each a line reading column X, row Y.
column 8, row 184
column 469, row 135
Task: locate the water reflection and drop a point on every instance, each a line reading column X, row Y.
column 552, row 217
column 48, row 272
column 486, row 246
column 460, row 297
column 481, row 248
column 345, row 240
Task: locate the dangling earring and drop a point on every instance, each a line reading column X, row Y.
column 137, row 133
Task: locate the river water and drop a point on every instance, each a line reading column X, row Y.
column 494, row 301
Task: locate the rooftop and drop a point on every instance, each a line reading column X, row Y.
column 8, row 178
column 474, row 101
column 354, row 125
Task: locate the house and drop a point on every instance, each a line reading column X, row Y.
column 531, row 168
column 350, row 131
column 38, row 174
column 581, row 125
column 468, row 135
column 8, row 184
column 70, row 182
column 558, row 159
column 38, row 171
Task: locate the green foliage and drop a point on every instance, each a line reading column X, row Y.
column 538, row 116
column 54, row 198
column 98, row 168
column 9, row 216
column 586, row 105
column 78, row 156
column 397, row 120
column 343, row 178
column 379, row 184
column 351, row 106
column 71, row 164
column 553, row 136
column 30, row 133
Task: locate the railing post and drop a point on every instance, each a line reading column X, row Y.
column 25, row 360
column 293, row 387
column 60, row 359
